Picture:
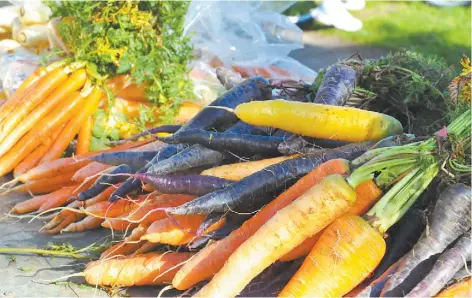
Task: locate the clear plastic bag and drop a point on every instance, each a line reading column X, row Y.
column 241, row 30
column 16, row 66
column 206, row 86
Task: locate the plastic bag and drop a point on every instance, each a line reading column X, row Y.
column 16, row 65
column 206, row 86
column 241, row 30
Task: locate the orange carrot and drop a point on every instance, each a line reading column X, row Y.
column 89, row 170
column 288, row 228
column 75, row 217
column 85, row 137
column 367, row 194
column 29, row 205
column 146, row 269
column 31, row 79
column 57, row 198
column 459, row 289
column 87, row 108
column 178, row 230
column 45, row 87
column 115, row 209
column 241, row 170
column 45, row 185
column 88, row 223
column 118, row 224
column 145, row 247
column 128, row 245
column 212, row 258
column 34, row 137
column 337, row 251
column 10, row 136
column 147, row 214
column 35, row 157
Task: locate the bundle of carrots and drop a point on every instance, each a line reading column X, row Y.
column 330, row 206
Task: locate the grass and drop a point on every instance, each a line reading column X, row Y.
column 415, row 26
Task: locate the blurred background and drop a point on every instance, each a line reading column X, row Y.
column 442, row 28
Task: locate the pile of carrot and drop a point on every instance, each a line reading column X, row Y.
column 216, row 204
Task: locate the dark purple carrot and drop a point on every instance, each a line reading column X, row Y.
column 240, row 144
column 228, row 77
column 449, row 220
column 137, row 159
column 189, row 184
column 209, row 220
column 256, row 88
column 154, row 130
column 448, row 264
column 110, row 177
column 250, row 190
column 337, row 86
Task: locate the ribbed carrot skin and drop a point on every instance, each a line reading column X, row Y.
column 57, row 198
column 34, row 137
column 74, row 217
column 212, row 258
column 146, row 269
column 87, row 108
column 118, row 224
column 179, row 230
column 73, row 83
column 35, row 157
column 460, row 289
column 128, row 245
column 347, row 252
column 89, row 170
column 367, row 194
column 45, row 185
column 115, row 209
column 88, row 223
column 85, row 137
column 30, row 205
column 45, row 87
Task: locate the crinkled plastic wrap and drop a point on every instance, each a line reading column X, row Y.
column 16, row 66
column 251, row 37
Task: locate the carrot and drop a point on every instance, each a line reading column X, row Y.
column 337, row 85
column 45, row 185
column 35, row 136
column 137, row 159
column 128, row 245
column 31, row 79
column 150, row 212
column 238, row 171
column 284, row 231
column 367, row 193
column 46, row 86
column 70, row 219
column 178, row 230
column 211, row 259
column 57, row 198
column 334, row 251
column 449, row 220
column 252, row 191
column 152, row 131
column 35, row 157
column 146, row 247
column 146, row 269
column 118, row 224
column 88, row 223
column 448, row 264
column 9, row 136
column 108, row 209
column 186, row 184
column 85, row 137
column 87, row 108
column 460, row 289
column 29, row 205
column 338, row 123
column 89, row 170
column 123, row 87
column 225, row 141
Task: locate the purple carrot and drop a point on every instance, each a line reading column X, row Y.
column 196, row 185
column 154, row 130
column 450, row 262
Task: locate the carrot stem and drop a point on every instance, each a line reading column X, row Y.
column 5, row 250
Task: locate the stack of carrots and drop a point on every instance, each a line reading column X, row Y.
column 329, row 207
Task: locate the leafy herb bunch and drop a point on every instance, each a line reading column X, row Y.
column 141, row 38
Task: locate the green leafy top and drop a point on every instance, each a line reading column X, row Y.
column 141, row 38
